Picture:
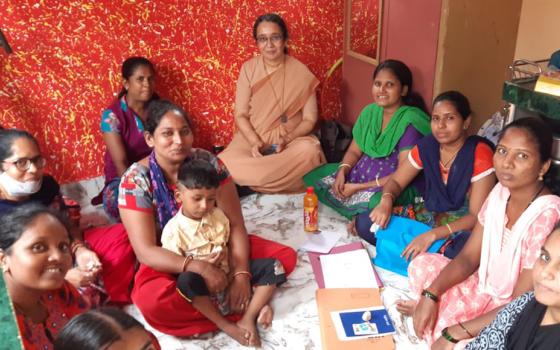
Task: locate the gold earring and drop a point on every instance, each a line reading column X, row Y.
column 4, row 268
column 540, row 177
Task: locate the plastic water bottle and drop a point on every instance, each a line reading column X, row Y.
column 310, row 211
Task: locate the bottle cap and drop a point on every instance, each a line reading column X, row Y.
column 309, row 190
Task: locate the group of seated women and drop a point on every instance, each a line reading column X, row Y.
column 275, row 114
column 401, row 162
column 494, row 233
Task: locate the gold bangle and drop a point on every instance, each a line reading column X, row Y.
column 243, row 273
column 342, row 165
column 377, row 181
column 449, row 228
column 188, row 259
column 77, row 244
column 465, row 329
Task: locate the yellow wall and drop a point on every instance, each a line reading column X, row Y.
column 538, row 34
column 476, row 45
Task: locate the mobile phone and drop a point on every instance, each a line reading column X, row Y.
column 270, row 150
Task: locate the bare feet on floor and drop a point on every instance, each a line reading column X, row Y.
column 265, row 317
column 239, row 333
column 251, row 328
column 406, row 307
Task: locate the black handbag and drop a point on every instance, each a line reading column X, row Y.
column 335, row 139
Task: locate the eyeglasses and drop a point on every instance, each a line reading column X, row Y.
column 275, row 39
column 23, row 164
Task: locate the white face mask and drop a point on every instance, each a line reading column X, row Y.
column 15, row 188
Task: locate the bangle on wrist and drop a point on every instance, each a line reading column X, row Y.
column 377, row 180
column 75, row 248
column 343, row 165
column 238, row 273
column 449, row 228
column 427, row 294
column 465, row 329
column 447, row 336
column 77, row 244
column 186, row 262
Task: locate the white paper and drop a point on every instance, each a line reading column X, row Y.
column 321, row 242
column 351, row 269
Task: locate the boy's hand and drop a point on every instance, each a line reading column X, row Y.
column 214, row 258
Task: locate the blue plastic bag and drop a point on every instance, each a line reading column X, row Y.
column 392, row 240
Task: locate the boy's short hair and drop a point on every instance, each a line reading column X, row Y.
column 198, row 173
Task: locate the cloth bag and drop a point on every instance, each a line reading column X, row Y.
column 392, row 240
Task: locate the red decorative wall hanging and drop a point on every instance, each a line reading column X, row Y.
column 65, row 65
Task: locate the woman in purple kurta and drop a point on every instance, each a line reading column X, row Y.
column 383, row 133
column 122, row 125
column 367, row 169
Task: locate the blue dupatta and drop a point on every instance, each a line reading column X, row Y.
column 439, row 196
column 166, row 206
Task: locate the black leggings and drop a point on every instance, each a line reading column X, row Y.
column 264, row 272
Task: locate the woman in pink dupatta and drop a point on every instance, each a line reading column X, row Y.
column 457, row 298
column 275, row 112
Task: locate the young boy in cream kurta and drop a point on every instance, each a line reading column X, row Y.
column 200, row 231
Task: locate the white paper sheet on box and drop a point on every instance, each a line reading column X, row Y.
column 351, row 269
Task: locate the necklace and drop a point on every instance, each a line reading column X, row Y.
column 445, row 165
column 279, row 102
column 534, row 197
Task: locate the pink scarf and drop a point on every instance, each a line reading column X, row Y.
column 500, row 268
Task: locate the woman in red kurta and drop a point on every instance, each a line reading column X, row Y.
column 35, row 255
column 147, row 202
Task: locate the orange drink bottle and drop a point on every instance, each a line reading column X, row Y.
column 310, row 211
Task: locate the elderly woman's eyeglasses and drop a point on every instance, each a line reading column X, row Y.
column 23, row 164
column 275, row 39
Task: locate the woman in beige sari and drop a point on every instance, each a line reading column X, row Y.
column 275, row 112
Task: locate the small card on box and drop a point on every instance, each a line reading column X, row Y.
column 349, row 324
